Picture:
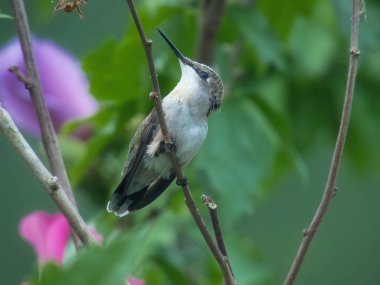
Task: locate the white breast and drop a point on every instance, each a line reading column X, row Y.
column 187, row 130
column 185, row 111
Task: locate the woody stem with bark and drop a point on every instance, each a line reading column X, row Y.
column 156, row 97
column 330, row 188
column 50, row 182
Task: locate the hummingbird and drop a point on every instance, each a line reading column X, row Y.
column 148, row 170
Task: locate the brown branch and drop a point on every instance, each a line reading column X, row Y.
column 213, row 210
column 20, row 76
column 340, row 142
column 50, row 182
column 212, row 207
column 156, row 97
column 33, row 84
column 212, row 13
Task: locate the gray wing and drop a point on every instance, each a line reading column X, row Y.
column 147, row 195
column 137, row 149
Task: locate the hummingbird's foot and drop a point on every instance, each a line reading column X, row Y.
column 166, row 147
column 183, row 182
column 170, row 146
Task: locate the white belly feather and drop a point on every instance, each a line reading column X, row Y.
column 187, row 130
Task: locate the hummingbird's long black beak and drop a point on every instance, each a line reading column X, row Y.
column 174, row 48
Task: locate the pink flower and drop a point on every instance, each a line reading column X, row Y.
column 63, row 82
column 96, row 235
column 47, row 233
column 134, row 281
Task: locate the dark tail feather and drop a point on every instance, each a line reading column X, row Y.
column 154, row 190
column 118, row 198
column 122, row 204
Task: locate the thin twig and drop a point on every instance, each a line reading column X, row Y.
column 212, row 207
column 335, row 163
column 33, row 84
column 50, row 182
column 20, row 76
column 213, row 210
column 212, row 13
column 156, row 97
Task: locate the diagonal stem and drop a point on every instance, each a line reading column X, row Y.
column 340, row 142
column 49, row 137
column 156, row 97
column 33, row 84
column 50, row 182
column 213, row 210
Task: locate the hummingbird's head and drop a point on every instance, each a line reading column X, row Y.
column 206, row 79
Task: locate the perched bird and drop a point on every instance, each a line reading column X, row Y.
column 148, row 170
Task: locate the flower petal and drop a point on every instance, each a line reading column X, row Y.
column 63, row 82
column 134, row 281
column 47, row 233
column 96, row 235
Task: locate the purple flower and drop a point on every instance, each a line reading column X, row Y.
column 63, row 82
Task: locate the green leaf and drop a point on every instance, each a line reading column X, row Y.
column 97, row 265
column 282, row 14
column 259, row 35
column 105, row 125
column 312, row 47
column 270, row 98
column 5, row 16
column 117, row 70
column 237, row 155
column 174, row 274
column 247, row 261
column 113, row 67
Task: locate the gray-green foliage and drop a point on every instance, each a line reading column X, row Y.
column 284, row 66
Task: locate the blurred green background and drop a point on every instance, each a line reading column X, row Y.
column 265, row 160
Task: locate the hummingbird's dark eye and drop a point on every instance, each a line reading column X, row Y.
column 204, row 75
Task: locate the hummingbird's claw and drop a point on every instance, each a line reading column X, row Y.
column 183, row 182
column 170, row 146
column 166, row 147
